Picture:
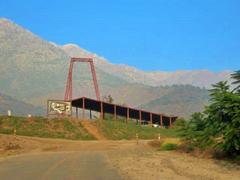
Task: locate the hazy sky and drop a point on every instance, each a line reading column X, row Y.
column 148, row 34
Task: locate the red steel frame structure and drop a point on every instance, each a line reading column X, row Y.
column 68, row 92
column 141, row 116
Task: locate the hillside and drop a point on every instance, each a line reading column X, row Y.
column 200, row 78
column 43, row 127
column 29, row 65
column 17, row 107
column 180, row 100
column 34, row 70
column 78, row 130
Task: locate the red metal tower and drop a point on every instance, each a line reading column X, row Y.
column 68, row 92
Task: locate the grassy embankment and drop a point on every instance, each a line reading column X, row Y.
column 117, row 130
column 73, row 129
column 43, row 127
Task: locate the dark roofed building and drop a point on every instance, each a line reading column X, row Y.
column 116, row 110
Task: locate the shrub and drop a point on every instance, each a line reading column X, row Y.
column 169, row 147
column 155, row 143
column 217, row 127
column 12, row 146
column 186, row 147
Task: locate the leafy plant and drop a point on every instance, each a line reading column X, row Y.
column 218, row 126
column 236, row 77
column 169, row 147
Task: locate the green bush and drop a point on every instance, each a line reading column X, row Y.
column 168, row 147
column 186, row 147
column 218, row 127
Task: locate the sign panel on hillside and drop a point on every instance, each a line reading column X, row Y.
column 59, row 107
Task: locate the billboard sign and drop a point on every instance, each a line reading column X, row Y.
column 59, row 107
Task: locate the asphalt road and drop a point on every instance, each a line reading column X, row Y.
column 64, row 165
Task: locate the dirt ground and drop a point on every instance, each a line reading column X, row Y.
column 132, row 160
column 92, row 129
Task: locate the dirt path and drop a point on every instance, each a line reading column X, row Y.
column 92, row 129
column 172, row 165
column 126, row 159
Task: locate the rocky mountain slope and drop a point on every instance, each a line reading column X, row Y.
column 34, row 70
column 18, row 107
column 180, row 99
column 201, row 78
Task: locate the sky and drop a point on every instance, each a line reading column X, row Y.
column 165, row 35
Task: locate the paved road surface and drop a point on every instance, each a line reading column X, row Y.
column 65, row 165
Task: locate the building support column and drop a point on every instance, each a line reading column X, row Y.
column 140, row 117
column 101, row 115
column 151, row 121
column 90, row 113
column 115, row 112
column 77, row 112
column 83, row 108
column 127, row 115
column 170, row 122
column 161, row 120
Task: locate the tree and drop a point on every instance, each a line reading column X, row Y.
column 179, row 124
column 218, row 89
column 193, row 132
column 108, row 98
column 219, row 125
column 236, row 77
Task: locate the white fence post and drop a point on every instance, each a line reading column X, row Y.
column 9, row 113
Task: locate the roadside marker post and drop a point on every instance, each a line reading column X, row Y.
column 15, row 132
column 137, row 138
column 9, row 113
column 159, row 137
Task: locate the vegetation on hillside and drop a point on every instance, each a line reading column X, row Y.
column 180, row 100
column 43, row 127
column 119, row 129
column 73, row 129
column 17, row 107
column 218, row 127
column 34, row 70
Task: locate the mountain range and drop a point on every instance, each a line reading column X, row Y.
column 34, row 70
column 18, row 107
column 200, row 78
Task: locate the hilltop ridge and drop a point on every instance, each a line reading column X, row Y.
column 34, row 70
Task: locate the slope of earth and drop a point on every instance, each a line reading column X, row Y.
column 34, row 70
column 42, row 127
column 120, row 130
column 180, row 100
column 29, row 65
column 80, row 129
column 91, row 128
column 136, row 94
column 200, row 78
column 17, row 107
